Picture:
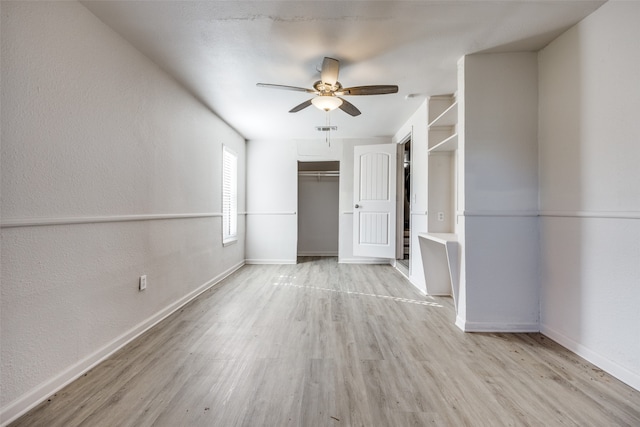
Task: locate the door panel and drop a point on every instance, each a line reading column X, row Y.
column 373, row 168
column 374, row 215
column 373, row 228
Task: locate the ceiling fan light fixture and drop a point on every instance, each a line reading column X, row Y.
column 326, row 102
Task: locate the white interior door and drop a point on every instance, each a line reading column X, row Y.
column 374, row 201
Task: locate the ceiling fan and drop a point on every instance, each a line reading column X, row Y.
column 329, row 90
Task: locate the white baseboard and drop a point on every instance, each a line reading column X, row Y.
column 419, row 289
column 364, row 261
column 270, row 261
column 496, row 326
column 401, row 271
column 623, row 374
column 32, row 398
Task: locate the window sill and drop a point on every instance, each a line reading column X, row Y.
column 229, row 242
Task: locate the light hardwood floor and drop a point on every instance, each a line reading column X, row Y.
column 328, row 344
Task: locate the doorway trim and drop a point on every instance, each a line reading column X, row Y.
column 400, row 206
column 319, row 170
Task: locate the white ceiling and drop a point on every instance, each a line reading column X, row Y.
column 219, row 50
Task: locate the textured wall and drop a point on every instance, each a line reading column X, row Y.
column 92, row 130
column 590, row 189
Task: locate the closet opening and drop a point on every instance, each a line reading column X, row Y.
column 403, row 245
column 318, row 208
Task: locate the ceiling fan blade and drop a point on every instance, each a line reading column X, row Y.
column 329, row 72
column 369, row 90
column 297, row 89
column 299, row 107
column 349, row 108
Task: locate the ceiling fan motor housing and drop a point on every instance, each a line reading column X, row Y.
column 327, row 89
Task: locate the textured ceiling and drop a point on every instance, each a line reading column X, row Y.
column 219, row 50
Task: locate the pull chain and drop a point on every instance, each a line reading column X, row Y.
column 328, row 133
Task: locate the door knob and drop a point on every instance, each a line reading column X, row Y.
column 357, row 206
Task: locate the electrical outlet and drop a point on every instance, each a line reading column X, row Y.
column 440, row 216
column 143, row 283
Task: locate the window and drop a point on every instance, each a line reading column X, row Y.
column 229, row 196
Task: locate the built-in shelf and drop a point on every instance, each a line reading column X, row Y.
column 442, row 139
column 447, row 144
column 448, row 118
column 439, row 247
column 443, row 129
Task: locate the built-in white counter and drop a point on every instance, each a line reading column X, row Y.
column 440, row 261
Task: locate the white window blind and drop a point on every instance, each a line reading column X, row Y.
column 229, row 196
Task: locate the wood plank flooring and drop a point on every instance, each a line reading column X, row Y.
column 328, row 344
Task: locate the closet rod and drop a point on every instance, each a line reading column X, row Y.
column 318, row 173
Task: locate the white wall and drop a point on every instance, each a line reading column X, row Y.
column 590, row 189
column 272, row 177
column 416, row 127
column 499, row 221
column 272, row 188
column 94, row 133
